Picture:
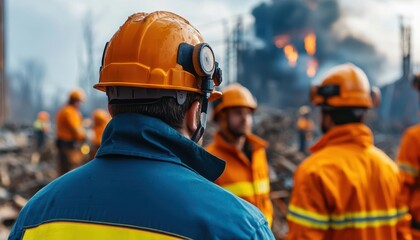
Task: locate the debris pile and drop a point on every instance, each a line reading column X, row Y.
column 23, row 172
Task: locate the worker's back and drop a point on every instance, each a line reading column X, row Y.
column 140, row 187
column 69, row 124
column 347, row 189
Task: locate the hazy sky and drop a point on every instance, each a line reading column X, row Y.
column 51, row 31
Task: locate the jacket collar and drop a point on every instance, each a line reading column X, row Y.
column 353, row 133
column 143, row 136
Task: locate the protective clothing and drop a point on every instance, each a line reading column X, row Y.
column 41, row 127
column 69, row 124
column 70, row 135
column 77, row 94
column 43, row 116
column 151, row 183
column 100, row 119
column 347, row 189
column 141, row 65
column 409, row 163
column 345, row 86
column 305, row 124
column 305, row 127
column 234, row 95
column 244, row 177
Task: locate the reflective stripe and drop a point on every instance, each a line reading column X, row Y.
column 246, row 189
column 408, row 168
column 346, row 220
column 308, row 218
column 91, row 231
column 269, row 221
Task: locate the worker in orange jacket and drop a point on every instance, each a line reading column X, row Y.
column 100, row 119
column 409, row 162
column 41, row 126
column 348, row 188
column 246, row 173
column 305, row 127
column 70, row 132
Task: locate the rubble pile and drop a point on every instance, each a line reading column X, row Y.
column 22, row 173
column 278, row 128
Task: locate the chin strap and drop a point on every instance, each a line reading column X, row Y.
column 203, row 120
column 207, row 86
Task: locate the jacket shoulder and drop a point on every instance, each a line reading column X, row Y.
column 412, row 132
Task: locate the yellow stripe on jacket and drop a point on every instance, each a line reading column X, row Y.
column 91, row 231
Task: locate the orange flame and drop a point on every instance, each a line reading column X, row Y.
column 312, row 67
column 281, row 40
column 310, row 43
column 291, row 54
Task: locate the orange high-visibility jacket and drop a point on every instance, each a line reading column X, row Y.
column 69, row 124
column 305, row 124
column 346, row 190
column 98, row 130
column 409, row 162
column 248, row 179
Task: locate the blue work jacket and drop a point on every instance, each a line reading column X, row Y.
column 147, row 182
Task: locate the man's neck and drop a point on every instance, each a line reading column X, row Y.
column 238, row 142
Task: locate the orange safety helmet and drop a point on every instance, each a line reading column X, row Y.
column 100, row 116
column 43, row 116
column 234, row 95
column 345, row 86
column 77, row 94
column 160, row 50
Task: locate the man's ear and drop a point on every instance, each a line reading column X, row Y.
column 193, row 116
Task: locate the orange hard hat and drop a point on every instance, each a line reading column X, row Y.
column 77, row 94
column 235, row 95
column 100, row 116
column 345, row 86
column 160, row 50
column 43, row 116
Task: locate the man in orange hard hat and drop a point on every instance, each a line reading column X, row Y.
column 70, row 132
column 348, row 188
column 305, row 127
column 100, row 119
column 150, row 179
column 41, row 126
column 246, row 174
column 408, row 160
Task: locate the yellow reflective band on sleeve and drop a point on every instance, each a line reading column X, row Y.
column 368, row 219
column 348, row 220
column 308, row 218
column 246, row 189
column 409, row 169
column 92, row 231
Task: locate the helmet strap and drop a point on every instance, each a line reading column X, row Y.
column 203, row 121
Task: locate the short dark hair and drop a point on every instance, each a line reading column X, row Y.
column 341, row 116
column 166, row 108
